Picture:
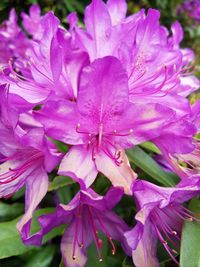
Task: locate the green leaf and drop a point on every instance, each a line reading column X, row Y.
column 10, row 211
column 190, row 242
column 60, row 181
column 11, row 244
column 151, row 147
column 42, row 258
column 190, row 245
column 151, row 167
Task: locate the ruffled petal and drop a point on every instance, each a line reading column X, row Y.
column 36, row 189
column 120, row 175
column 79, row 165
column 61, row 123
column 117, row 10
column 145, row 253
column 67, row 244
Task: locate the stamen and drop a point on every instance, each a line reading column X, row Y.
column 106, row 232
column 82, row 132
column 115, row 133
column 100, row 134
column 95, row 237
column 75, row 235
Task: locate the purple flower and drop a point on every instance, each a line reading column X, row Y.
column 52, row 66
column 168, row 82
column 188, row 82
column 126, row 39
column 101, row 124
column 32, row 22
column 13, row 42
column 85, row 215
column 191, row 8
column 160, row 217
column 26, row 156
column 181, row 149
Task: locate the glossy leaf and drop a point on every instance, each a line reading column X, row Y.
column 10, row 211
column 190, row 243
column 42, row 258
column 11, row 244
column 145, row 162
column 60, row 181
column 151, row 147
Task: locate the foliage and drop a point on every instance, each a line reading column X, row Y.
column 12, row 251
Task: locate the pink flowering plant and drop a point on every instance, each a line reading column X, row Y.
column 99, row 139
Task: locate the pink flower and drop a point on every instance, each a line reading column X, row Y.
column 101, row 124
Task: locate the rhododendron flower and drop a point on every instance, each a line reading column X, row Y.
column 192, row 9
column 26, row 157
column 100, row 88
column 32, row 22
column 168, row 82
column 182, row 152
column 160, row 217
column 13, row 42
column 85, row 215
column 52, row 66
column 101, row 124
column 126, row 39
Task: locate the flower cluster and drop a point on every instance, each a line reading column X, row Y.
column 100, row 88
column 191, row 8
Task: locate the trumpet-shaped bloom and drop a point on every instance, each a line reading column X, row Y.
column 101, row 124
column 182, row 152
column 52, row 65
column 26, row 157
column 160, row 217
column 126, row 38
column 85, row 215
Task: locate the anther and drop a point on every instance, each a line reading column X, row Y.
column 165, row 243
column 131, row 131
column 100, row 259
column 74, row 258
column 189, row 219
column 174, row 232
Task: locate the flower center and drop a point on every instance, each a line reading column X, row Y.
column 102, row 140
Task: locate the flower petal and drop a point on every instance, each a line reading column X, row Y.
column 61, row 123
column 36, row 189
column 117, row 10
column 103, row 89
column 122, row 175
column 67, row 248
column 145, row 253
column 79, row 165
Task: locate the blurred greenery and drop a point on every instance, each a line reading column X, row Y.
column 62, row 188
